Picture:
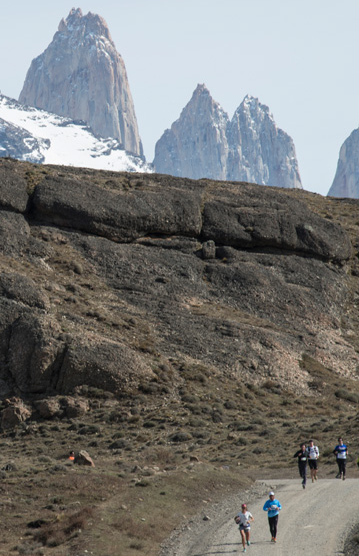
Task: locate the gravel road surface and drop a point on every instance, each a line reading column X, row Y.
column 312, row 522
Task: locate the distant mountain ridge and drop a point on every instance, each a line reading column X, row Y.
column 34, row 135
column 203, row 142
column 81, row 75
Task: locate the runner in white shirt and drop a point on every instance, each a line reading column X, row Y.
column 313, row 455
column 244, row 519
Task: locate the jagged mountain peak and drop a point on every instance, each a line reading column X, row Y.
column 250, row 147
column 82, row 76
column 90, row 23
column 202, row 97
column 196, row 144
column 253, row 107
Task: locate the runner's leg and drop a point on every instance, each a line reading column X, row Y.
column 243, row 538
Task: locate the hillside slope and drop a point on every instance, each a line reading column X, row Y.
column 172, row 328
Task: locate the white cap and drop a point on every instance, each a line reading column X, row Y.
column 271, row 493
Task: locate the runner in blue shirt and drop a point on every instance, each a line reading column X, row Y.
column 272, row 506
column 341, row 452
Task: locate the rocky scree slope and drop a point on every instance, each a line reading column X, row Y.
column 134, row 283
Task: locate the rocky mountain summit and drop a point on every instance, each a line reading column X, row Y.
column 82, row 76
column 346, row 179
column 203, row 142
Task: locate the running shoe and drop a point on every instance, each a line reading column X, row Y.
column 274, row 540
column 244, row 550
column 249, row 543
column 303, row 486
column 343, row 477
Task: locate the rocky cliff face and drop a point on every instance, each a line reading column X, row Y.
column 250, row 147
column 82, row 76
column 101, row 272
column 346, row 180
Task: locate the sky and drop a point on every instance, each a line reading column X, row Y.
column 298, row 57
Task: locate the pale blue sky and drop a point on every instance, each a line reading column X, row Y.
column 296, row 56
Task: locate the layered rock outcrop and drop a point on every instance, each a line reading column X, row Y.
column 204, row 143
column 81, row 75
column 346, row 180
column 102, row 273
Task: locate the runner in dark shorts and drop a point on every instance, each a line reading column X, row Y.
column 302, row 456
column 313, row 455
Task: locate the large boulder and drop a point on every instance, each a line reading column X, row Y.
column 34, row 353
column 103, row 364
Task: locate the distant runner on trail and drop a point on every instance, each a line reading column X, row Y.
column 272, row 506
column 302, row 456
column 243, row 519
column 341, row 452
column 313, row 455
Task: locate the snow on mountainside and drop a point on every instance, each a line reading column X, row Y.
column 34, row 135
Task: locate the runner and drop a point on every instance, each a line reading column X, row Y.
column 341, row 452
column 243, row 519
column 302, row 456
column 313, row 455
column 272, row 506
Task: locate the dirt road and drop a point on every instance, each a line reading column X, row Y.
column 313, row 522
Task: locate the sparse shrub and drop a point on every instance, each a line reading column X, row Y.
column 346, row 395
column 30, row 549
column 89, row 429
column 241, row 442
column 195, row 409
column 193, row 422
column 149, row 424
column 180, row 436
column 189, row 398
column 142, row 483
column 136, row 545
column 200, row 434
column 119, row 444
column 149, row 388
column 57, row 532
column 216, row 417
column 206, row 408
column 240, row 426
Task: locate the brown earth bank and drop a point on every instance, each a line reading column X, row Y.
column 186, row 334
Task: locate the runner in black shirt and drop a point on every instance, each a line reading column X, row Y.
column 302, row 456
